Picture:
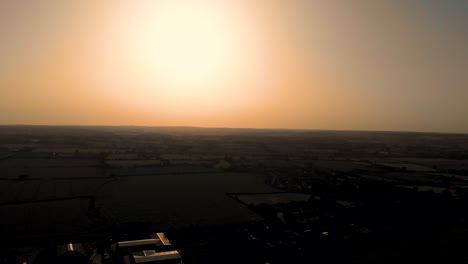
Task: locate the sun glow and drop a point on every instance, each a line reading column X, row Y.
column 183, row 56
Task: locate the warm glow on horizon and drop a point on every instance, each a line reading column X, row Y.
column 319, row 64
column 182, row 57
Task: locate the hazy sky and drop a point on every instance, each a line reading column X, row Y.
column 366, row 65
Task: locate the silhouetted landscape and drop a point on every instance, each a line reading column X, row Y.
column 233, row 132
column 235, row 195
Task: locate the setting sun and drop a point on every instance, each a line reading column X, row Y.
column 235, row 63
column 182, row 56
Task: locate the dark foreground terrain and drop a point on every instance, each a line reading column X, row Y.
column 236, row 195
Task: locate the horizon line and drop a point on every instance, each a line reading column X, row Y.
column 241, row 128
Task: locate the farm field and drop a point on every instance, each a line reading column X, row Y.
column 407, row 166
column 169, row 199
column 444, row 164
column 45, row 219
column 181, row 199
column 271, row 198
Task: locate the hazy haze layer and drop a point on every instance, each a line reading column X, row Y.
column 366, row 65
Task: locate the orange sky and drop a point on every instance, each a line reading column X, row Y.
column 261, row 64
